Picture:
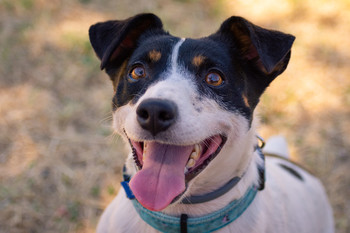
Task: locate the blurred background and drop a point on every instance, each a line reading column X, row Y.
column 59, row 159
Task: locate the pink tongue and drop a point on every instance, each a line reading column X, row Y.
column 161, row 178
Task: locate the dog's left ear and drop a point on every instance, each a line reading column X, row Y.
column 263, row 54
column 266, row 50
column 113, row 41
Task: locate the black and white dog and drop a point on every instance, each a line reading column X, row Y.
column 186, row 107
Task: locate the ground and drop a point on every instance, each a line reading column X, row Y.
column 59, row 159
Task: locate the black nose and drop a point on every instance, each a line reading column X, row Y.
column 156, row 115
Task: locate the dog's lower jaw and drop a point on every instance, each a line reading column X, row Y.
column 211, row 178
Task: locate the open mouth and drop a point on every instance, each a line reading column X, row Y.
column 199, row 157
column 165, row 170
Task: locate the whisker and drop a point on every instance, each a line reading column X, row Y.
column 218, row 144
column 113, row 137
column 107, row 117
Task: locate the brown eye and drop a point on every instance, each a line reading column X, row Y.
column 214, row 79
column 137, row 73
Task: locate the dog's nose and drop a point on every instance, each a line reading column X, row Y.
column 156, row 115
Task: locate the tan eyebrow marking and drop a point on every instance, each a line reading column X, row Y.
column 154, row 55
column 245, row 99
column 198, row 60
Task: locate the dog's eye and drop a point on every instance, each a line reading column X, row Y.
column 137, row 73
column 214, row 79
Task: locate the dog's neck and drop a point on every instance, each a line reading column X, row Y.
column 236, row 160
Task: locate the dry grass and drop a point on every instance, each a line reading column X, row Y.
column 59, row 162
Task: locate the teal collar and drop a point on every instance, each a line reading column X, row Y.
column 207, row 223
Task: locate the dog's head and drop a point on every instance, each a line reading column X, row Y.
column 181, row 103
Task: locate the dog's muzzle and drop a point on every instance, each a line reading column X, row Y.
column 164, row 169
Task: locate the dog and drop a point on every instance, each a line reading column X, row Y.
column 186, row 108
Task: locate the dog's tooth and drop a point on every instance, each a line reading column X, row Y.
column 144, row 148
column 197, row 148
column 143, row 155
column 196, row 152
column 185, row 170
column 194, row 155
column 190, row 163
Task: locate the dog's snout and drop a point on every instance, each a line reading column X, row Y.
column 156, row 115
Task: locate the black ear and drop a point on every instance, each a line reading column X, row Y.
column 267, row 50
column 114, row 41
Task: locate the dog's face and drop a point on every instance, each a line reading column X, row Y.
column 182, row 102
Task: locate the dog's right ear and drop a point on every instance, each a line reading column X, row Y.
column 114, row 41
column 267, row 50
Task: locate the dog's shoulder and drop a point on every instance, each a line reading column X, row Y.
column 295, row 191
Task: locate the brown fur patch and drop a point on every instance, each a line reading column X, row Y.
column 118, row 75
column 154, row 55
column 245, row 99
column 198, row 60
column 247, row 48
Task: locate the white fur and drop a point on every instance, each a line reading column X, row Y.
column 277, row 145
column 285, row 205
